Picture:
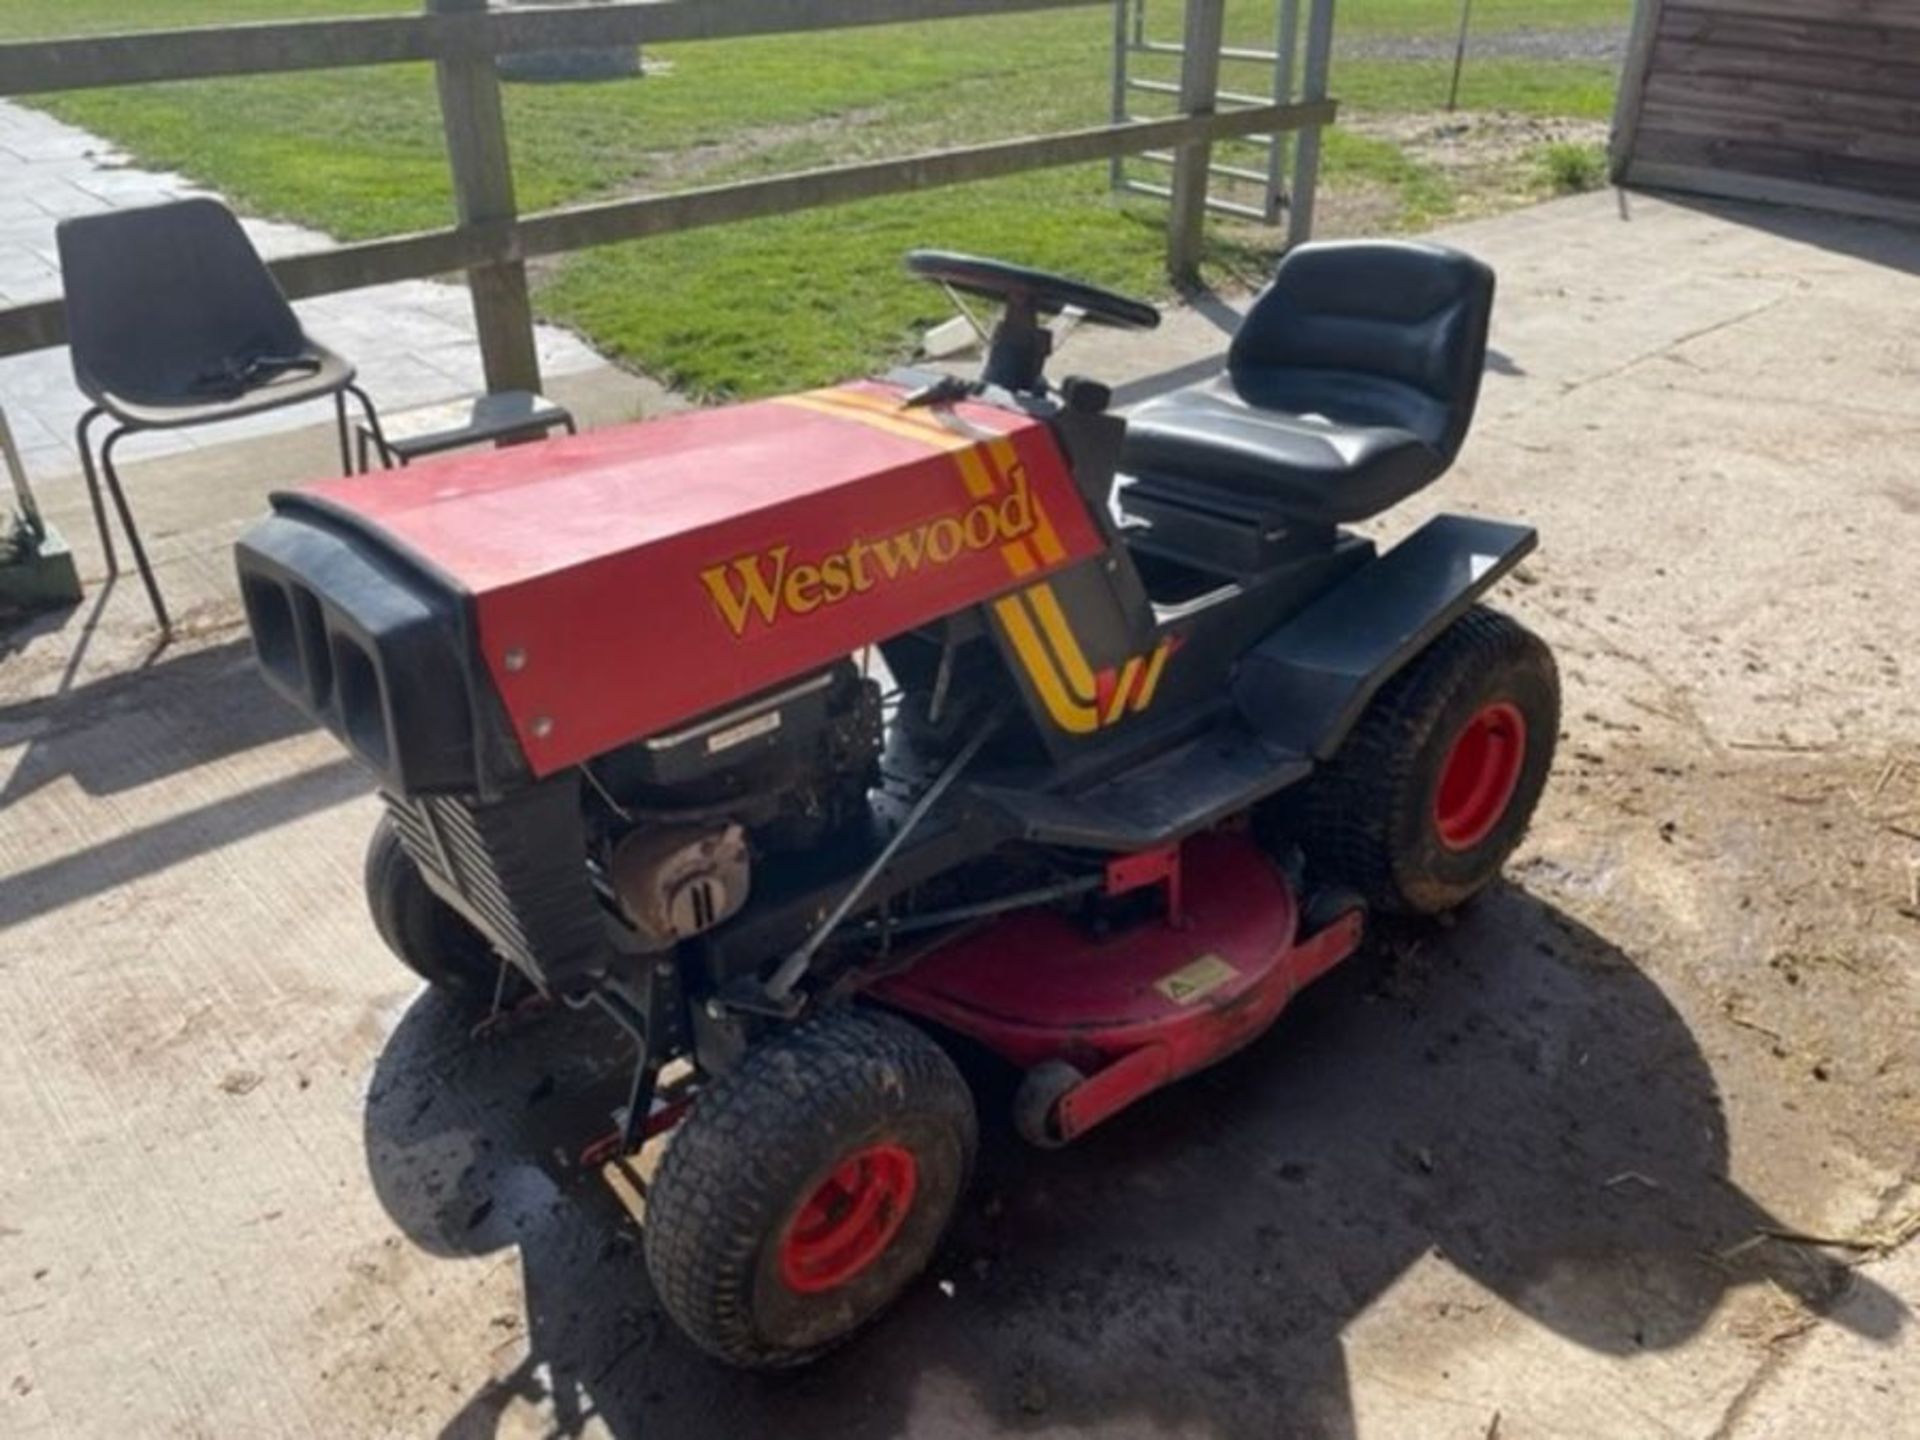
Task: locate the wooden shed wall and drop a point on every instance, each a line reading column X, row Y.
column 1812, row 102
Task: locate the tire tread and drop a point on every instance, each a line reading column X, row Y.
column 1344, row 816
column 718, row 1181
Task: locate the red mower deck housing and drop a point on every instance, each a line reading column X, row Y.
column 1141, row 1007
column 748, row 545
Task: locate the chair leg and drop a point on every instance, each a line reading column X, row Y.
column 340, row 425
column 373, row 424
column 85, row 443
column 133, row 534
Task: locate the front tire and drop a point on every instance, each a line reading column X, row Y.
column 1435, row 786
column 426, row 934
column 808, row 1187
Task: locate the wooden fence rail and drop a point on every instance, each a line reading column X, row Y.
column 31, row 67
column 491, row 242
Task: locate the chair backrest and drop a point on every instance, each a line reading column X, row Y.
column 1375, row 332
column 161, row 296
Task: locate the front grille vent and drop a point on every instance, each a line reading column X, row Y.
column 517, row 869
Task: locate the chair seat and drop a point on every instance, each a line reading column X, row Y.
column 289, row 388
column 1305, row 467
column 173, row 319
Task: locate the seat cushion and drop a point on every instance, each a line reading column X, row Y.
column 1303, row 466
column 290, row 387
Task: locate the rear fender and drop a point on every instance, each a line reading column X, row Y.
column 1305, row 685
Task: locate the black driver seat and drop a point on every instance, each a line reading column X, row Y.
column 1350, row 385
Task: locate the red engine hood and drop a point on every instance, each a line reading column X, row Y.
column 631, row 578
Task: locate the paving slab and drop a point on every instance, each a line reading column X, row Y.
column 1832, row 1385
column 1608, row 1156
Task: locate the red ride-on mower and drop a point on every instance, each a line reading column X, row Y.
column 801, row 736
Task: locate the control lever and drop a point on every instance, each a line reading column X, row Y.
column 944, row 391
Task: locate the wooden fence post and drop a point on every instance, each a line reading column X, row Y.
column 1306, row 150
column 1199, row 92
column 476, row 132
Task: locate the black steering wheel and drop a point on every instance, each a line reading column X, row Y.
column 1046, row 293
column 1017, row 356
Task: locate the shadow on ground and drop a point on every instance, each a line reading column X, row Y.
column 1511, row 1093
column 129, row 729
column 190, row 710
column 1878, row 242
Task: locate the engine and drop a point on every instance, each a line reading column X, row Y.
column 677, row 820
column 665, row 832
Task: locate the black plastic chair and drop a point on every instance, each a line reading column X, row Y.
column 174, row 321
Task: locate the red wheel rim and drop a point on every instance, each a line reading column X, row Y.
column 1481, row 772
column 846, row 1223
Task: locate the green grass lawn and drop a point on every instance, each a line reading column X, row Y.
column 805, row 298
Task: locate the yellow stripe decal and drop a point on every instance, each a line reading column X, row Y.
column 974, row 471
column 882, row 414
column 892, row 425
column 1075, row 719
column 1019, row 559
column 881, row 404
column 1055, row 664
column 891, row 409
column 1117, row 706
column 1045, row 539
column 1154, row 666
column 1004, row 455
column 1059, row 633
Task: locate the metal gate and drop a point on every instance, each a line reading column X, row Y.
column 1264, row 186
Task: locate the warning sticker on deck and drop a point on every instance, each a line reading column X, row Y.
column 1196, row 979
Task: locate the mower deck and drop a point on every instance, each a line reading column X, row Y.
column 1139, row 1007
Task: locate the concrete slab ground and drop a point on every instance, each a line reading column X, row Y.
column 1627, row 1150
column 414, row 342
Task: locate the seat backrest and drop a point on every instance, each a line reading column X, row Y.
column 161, row 296
column 1374, row 332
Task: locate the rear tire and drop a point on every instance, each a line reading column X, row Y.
column 426, row 934
column 808, row 1187
column 1436, row 784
